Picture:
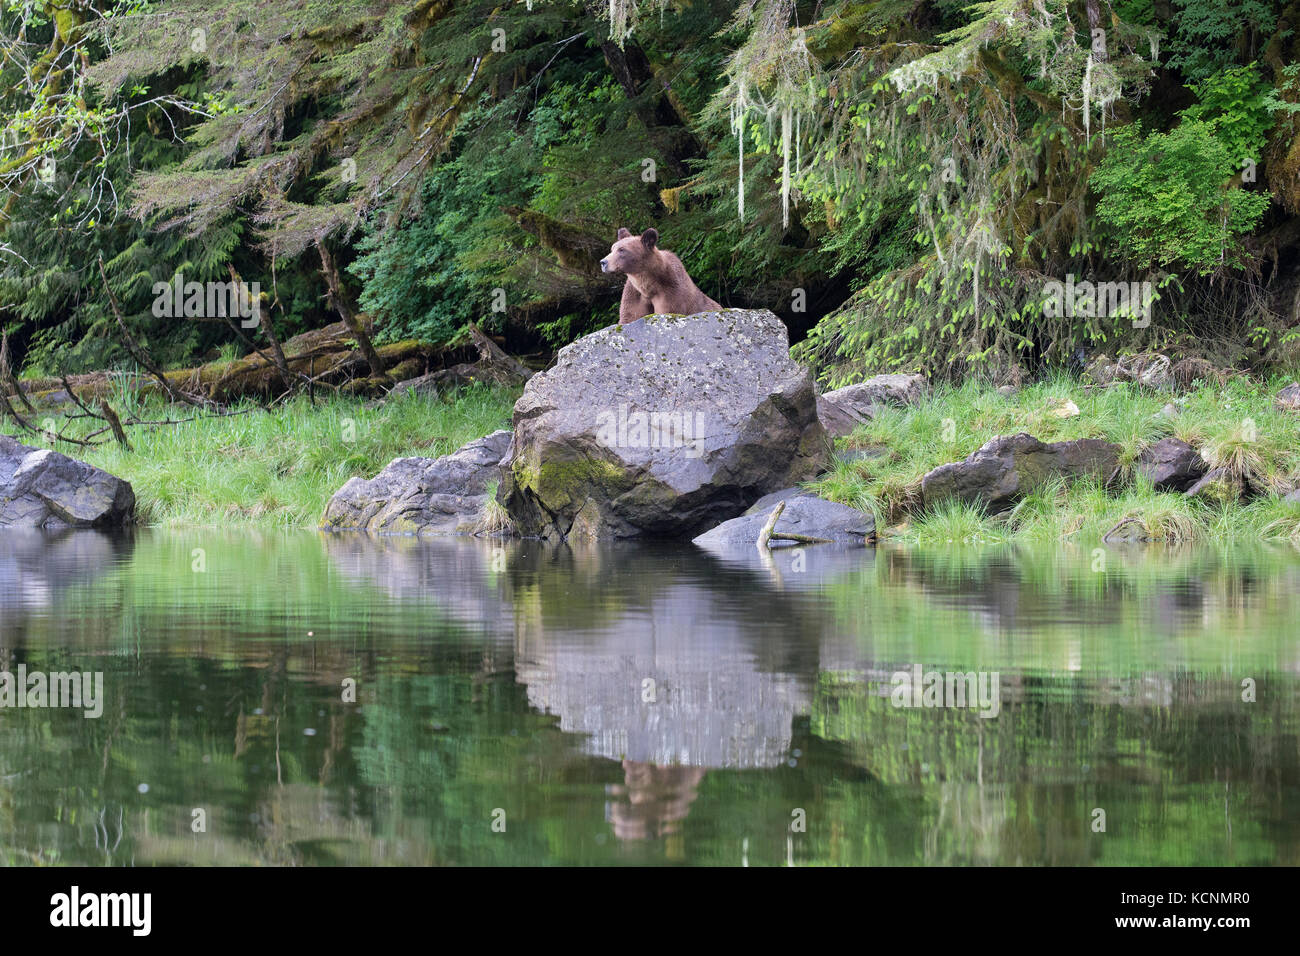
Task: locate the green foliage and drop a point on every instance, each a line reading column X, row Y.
column 920, row 178
column 1164, row 201
column 413, row 285
column 566, row 328
column 1210, row 35
column 1238, row 103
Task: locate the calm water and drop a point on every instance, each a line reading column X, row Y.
column 517, row 703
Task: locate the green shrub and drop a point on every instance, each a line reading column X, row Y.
column 1164, row 202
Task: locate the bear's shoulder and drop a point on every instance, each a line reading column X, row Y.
column 669, row 261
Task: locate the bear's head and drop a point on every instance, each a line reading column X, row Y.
column 629, row 253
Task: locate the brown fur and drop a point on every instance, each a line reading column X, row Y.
column 657, row 282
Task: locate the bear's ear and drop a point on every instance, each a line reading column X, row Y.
column 650, row 237
column 623, row 234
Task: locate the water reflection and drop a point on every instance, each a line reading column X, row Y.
column 645, row 704
column 35, row 566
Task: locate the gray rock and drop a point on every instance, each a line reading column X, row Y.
column 765, row 504
column 1102, row 370
column 837, row 421
column 1147, row 368
column 1171, row 465
column 804, row 514
column 844, row 409
column 662, row 427
column 421, row 495
column 1155, row 371
column 1292, row 497
column 1009, row 467
column 1288, row 397
column 1218, row 484
column 39, row 488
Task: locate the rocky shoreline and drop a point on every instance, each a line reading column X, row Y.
column 698, row 428
column 750, row 427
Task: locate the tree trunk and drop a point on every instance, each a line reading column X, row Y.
column 276, row 351
column 631, row 67
column 340, row 303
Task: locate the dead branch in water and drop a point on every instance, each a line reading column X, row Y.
column 766, row 534
column 801, row 538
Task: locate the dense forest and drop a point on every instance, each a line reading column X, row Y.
column 899, row 180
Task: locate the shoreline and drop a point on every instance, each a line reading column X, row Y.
column 278, row 470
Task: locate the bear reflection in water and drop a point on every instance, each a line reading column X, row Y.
column 652, row 801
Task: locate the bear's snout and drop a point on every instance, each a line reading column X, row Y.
column 604, row 265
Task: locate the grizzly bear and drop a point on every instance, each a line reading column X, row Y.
column 657, row 282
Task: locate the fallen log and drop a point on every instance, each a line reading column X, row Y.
column 326, row 357
column 494, row 367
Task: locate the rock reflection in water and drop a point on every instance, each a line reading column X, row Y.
column 670, row 669
column 665, row 668
column 36, row 566
column 457, row 574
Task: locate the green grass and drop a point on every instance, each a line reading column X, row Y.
column 1236, row 427
column 277, row 469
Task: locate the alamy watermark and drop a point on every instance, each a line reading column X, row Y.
column 208, row 300
column 62, row 689
column 652, row 429
column 974, row 689
column 1090, row 300
column 77, row 909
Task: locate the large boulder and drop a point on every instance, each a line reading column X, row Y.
column 1171, row 465
column 765, row 504
column 846, row 408
column 804, row 514
column 422, row 495
column 39, row 488
column 662, row 427
column 1288, row 397
column 1007, row 468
